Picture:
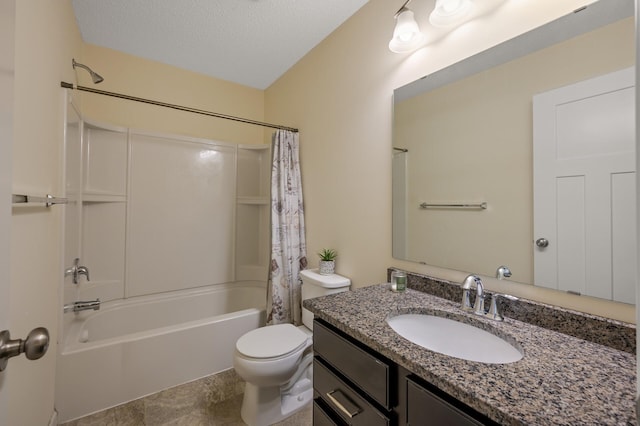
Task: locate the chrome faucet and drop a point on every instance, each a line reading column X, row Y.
column 476, row 282
column 503, row 272
column 494, row 311
column 82, row 306
column 76, row 270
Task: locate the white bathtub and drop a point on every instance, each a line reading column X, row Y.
column 135, row 347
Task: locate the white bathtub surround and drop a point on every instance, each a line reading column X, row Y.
column 288, row 244
column 153, row 212
column 175, row 233
column 136, row 347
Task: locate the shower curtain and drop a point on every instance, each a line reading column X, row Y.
column 288, row 246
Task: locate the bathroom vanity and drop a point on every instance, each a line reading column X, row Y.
column 354, row 383
column 365, row 373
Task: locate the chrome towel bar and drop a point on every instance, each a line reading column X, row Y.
column 48, row 200
column 482, row 205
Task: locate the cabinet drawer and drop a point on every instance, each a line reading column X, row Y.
column 320, row 416
column 425, row 407
column 368, row 372
column 346, row 402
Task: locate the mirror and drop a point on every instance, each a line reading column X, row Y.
column 463, row 152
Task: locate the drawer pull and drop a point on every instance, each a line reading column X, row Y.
column 352, row 409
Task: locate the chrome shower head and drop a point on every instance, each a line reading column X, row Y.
column 97, row 78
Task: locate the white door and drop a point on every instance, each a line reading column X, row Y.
column 29, row 235
column 584, row 187
column 7, row 24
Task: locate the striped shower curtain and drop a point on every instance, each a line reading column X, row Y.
column 288, row 246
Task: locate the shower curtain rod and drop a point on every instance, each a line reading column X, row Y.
column 178, row 107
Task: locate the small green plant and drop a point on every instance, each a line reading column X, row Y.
column 328, row 255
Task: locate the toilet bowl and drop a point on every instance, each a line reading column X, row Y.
column 276, row 361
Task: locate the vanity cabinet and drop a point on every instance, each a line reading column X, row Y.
column 347, row 400
column 352, row 384
column 321, row 415
column 355, row 385
column 427, row 405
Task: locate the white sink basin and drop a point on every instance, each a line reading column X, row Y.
column 454, row 338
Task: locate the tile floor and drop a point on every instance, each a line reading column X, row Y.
column 225, row 413
column 212, row 401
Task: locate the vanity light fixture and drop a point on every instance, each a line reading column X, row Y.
column 407, row 36
column 448, row 13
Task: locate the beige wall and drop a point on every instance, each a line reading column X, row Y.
column 340, row 96
column 46, row 38
column 143, row 78
column 482, row 127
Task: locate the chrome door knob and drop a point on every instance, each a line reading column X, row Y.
column 542, row 242
column 34, row 346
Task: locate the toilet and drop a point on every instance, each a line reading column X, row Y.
column 276, row 361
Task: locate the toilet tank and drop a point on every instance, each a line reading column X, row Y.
column 316, row 285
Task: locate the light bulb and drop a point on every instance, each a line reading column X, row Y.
column 450, row 12
column 451, row 6
column 406, row 35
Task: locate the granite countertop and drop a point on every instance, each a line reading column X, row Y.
column 561, row 380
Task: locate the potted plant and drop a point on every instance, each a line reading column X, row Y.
column 327, row 261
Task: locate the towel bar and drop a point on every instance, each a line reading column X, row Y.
column 482, row 205
column 48, row 200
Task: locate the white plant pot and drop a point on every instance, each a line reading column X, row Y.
column 327, row 267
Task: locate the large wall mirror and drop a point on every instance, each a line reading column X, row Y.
column 523, row 155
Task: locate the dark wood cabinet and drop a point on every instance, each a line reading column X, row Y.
column 347, row 402
column 368, row 371
column 427, row 406
column 354, row 385
column 322, row 414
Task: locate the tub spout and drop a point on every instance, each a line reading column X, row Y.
column 82, row 306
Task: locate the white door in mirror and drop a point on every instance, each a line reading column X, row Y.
column 584, row 187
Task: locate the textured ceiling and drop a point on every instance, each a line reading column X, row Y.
column 250, row 42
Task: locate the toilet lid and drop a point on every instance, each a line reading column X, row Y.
column 271, row 341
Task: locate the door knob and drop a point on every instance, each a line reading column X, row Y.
column 542, row 242
column 34, row 346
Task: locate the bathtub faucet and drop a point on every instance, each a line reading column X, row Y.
column 76, row 270
column 82, row 306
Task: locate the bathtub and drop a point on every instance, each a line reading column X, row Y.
column 135, row 347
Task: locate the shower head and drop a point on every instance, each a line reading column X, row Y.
column 97, row 78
